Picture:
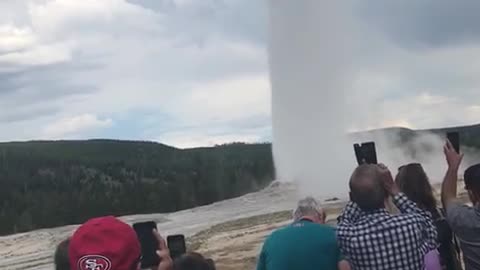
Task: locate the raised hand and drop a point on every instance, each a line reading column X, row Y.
column 166, row 262
column 387, row 179
column 454, row 159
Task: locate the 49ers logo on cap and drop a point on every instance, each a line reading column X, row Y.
column 94, row 262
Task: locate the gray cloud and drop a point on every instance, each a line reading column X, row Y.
column 187, row 59
column 26, row 114
column 424, row 24
column 197, row 21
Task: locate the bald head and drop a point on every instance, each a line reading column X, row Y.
column 366, row 187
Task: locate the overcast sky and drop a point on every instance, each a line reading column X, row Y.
column 195, row 72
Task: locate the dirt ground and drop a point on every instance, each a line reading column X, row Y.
column 235, row 245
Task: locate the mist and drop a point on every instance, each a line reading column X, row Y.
column 315, row 99
column 310, row 75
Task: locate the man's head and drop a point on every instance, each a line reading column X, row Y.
column 104, row 244
column 61, row 256
column 309, row 209
column 472, row 183
column 366, row 188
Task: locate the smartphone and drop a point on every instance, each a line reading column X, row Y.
column 358, row 154
column 365, row 153
column 454, row 138
column 369, row 152
column 148, row 243
column 177, row 246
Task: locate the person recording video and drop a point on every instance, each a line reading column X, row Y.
column 370, row 237
column 464, row 220
column 108, row 243
column 413, row 182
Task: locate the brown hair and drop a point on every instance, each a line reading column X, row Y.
column 366, row 188
column 193, row 261
column 61, row 258
column 413, row 181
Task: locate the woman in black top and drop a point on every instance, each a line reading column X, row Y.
column 413, row 182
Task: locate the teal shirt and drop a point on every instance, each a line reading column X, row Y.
column 302, row 245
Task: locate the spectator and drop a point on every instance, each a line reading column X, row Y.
column 61, row 256
column 305, row 244
column 107, row 243
column 370, row 237
column 193, row 261
column 464, row 220
column 413, row 182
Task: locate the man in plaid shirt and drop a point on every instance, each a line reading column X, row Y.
column 373, row 239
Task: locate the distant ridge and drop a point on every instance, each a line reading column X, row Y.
column 53, row 183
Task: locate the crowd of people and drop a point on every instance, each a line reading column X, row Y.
column 417, row 234
column 107, row 243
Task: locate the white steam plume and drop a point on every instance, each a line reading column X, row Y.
column 310, row 73
column 312, row 67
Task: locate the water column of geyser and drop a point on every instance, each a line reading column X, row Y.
column 309, row 51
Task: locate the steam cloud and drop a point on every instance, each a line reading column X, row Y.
column 312, row 69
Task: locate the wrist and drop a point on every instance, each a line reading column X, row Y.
column 453, row 168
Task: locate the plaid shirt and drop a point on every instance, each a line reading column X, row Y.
column 380, row 241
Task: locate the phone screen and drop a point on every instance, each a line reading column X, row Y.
column 358, row 154
column 370, row 152
column 177, row 246
column 148, row 243
column 365, row 153
column 454, row 138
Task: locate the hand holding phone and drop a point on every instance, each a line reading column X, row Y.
column 454, row 139
column 454, row 159
column 365, row 153
column 177, row 246
column 149, row 243
column 166, row 262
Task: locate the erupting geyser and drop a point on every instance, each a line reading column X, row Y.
column 314, row 78
column 310, row 74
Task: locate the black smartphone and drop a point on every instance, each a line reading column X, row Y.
column 454, row 138
column 358, row 153
column 177, row 246
column 365, row 153
column 148, row 243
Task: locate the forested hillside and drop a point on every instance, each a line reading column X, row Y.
column 45, row 184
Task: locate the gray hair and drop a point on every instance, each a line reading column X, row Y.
column 307, row 207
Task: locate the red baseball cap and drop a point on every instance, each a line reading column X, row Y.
column 104, row 243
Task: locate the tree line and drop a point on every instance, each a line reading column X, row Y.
column 47, row 184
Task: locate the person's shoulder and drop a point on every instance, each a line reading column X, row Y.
column 457, row 207
column 326, row 228
column 323, row 231
column 404, row 219
column 461, row 215
column 280, row 231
